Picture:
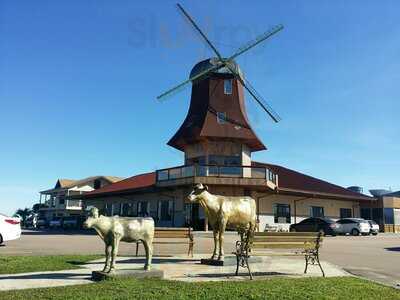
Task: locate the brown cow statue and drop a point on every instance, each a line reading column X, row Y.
column 225, row 212
column 112, row 230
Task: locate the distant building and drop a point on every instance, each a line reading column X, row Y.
column 218, row 141
column 385, row 210
column 56, row 199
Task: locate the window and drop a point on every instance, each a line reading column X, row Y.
column 116, row 209
column 61, row 200
column 389, row 215
column 377, row 215
column 143, row 209
column 165, row 210
column 345, row 213
column 308, row 221
column 228, row 86
column 221, row 117
column 108, row 209
column 346, row 221
column 281, row 213
column 97, row 184
column 126, row 208
column 223, row 160
column 365, row 213
column 317, row 212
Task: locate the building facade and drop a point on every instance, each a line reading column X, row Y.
column 385, row 211
column 218, row 142
column 58, row 202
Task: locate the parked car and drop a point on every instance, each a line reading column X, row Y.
column 71, row 222
column 31, row 221
column 353, row 226
column 326, row 225
column 42, row 223
column 10, row 228
column 56, row 222
column 374, row 227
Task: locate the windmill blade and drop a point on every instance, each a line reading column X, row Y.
column 199, row 30
column 260, row 100
column 256, row 41
column 252, row 91
column 181, row 85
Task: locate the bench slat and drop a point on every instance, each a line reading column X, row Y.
column 181, row 233
column 172, row 229
column 172, row 236
column 284, row 239
column 286, row 234
column 284, row 245
column 185, row 243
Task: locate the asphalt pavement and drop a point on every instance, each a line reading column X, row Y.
column 373, row 257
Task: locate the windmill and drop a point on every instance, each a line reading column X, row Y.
column 220, row 63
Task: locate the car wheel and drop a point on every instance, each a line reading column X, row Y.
column 1, row 239
column 375, row 233
column 355, row 231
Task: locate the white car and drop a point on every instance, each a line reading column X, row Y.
column 353, row 226
column 10, row 228
column 374, row 227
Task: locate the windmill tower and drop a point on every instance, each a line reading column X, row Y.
column 216, row 130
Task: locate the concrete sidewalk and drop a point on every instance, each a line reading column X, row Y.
column 175, row 268
column 44, row 279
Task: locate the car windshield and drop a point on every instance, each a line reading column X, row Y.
column 372, row 222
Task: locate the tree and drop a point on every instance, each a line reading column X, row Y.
column 23, row 213
column 36, row 207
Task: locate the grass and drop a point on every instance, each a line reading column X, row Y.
column 23, row 264
column 276, row 288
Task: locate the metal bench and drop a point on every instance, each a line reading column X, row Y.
column 174, row 236
column 306, row 244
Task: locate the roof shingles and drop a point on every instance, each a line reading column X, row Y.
column 292, row 180
column 131, row 183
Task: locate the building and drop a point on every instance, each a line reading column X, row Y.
column 56, row 199
column 385, row 210
column 218, row 141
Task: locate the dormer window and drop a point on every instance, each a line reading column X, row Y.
column 221, row 117
column 97, row 184
column 228, row 86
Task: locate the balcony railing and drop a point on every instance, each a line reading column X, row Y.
column 216, row 171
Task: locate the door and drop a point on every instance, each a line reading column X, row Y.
column 306, row 225
column 165, row 212
column 346, row 226
column 193, row 218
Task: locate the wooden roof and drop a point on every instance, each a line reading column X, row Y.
column 201, row 123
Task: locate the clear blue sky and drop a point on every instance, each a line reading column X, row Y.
column 78, row 81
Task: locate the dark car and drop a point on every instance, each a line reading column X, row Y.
column 326, row 225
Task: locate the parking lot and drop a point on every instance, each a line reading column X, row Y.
column 373, row 257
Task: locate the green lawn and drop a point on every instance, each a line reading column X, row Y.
column 277, row 288
column 22, row 264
